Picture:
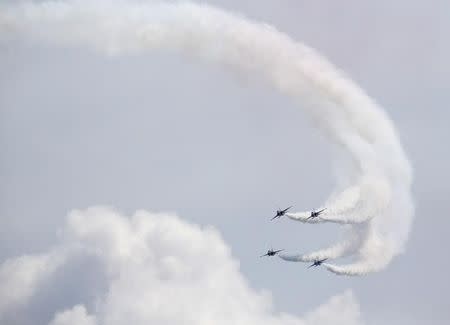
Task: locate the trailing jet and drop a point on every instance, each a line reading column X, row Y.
column 271, row 252
column 315, row 214
column 280, row 213
column 317, row 262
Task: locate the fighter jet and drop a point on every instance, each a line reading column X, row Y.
column 271, row 252
column 317, row 262
column 315, row 214
column 280, row 213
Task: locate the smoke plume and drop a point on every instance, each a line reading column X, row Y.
column 372, row 195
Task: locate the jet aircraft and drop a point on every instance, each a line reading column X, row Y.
column 280, row 213
column 317, row 262
column 315, row 214
column 271, row 252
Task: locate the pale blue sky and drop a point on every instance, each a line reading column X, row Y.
column 161, row 132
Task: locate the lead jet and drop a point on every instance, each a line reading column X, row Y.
column 317, row 262
column 315, row 214
column 280, row 213
column 271, row 252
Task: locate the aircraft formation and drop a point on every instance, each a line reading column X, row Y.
column 279, row 213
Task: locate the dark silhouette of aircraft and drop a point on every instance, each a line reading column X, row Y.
column 315, row 214
column 271, row 252
column 280, row 213
column 317, row 262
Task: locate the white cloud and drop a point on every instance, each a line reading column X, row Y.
column 158, row 269
column 20, row 276
column 75, row 316
column 343, row 305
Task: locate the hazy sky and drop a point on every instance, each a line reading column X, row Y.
column 167, row 133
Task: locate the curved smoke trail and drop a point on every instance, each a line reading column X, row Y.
column 373, row 190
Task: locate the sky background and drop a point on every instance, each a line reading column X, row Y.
column 166, row 133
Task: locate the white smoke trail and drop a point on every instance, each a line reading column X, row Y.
column 376, row 180
column 352, row 243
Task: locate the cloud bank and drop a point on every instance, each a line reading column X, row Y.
column 154, row 269
column 372, row 196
